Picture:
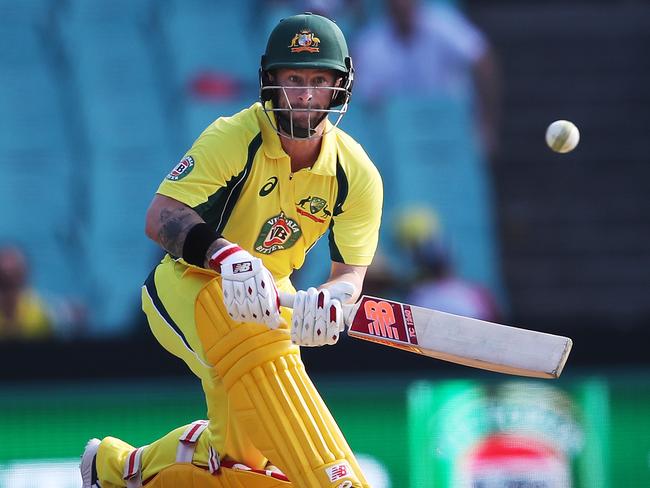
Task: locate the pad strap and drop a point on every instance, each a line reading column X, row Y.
column 213, row 461
column 133, row 468
column 277, row 474
column 187, row 441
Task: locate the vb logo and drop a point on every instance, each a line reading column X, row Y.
column 268, row 186
column 244, row 267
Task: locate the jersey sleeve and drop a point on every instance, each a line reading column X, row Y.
column 215, row 158
column 354, row 231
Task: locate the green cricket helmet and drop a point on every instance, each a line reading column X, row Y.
column 305, row 41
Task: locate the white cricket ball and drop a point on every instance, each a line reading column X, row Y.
column 562, row 136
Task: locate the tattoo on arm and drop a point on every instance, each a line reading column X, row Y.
column 175, row 224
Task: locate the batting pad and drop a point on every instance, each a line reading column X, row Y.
column 190, row 476
column 273, row 399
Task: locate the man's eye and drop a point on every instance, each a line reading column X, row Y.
column 293, row 79
column 320, row 81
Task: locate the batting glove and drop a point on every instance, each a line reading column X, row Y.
column 317, row 318
column 249, row 291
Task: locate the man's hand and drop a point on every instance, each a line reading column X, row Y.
column 249, row 291
column 317, row 318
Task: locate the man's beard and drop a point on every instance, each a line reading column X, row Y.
column 299, row 131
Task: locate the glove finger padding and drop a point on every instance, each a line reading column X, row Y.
column 268, row 299
column 317, row 318
column 249, row 291
column 296, row 318
column 335, row 323
column 309, row 319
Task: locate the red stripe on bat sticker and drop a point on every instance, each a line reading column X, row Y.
column 391, row 321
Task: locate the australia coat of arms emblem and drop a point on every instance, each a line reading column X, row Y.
column 305, row 40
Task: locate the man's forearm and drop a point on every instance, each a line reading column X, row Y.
column 352, row 276
column 175, row 223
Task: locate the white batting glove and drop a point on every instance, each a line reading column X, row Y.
column 249, row 291
column 317, row 318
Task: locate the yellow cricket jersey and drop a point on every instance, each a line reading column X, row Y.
column 238, row 178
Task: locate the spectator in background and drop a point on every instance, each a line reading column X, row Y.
column 23, row 315
column 429, row 49
column 435, row 284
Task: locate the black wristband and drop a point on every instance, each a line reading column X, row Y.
column 197, row 242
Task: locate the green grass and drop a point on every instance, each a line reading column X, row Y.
column 56, row 420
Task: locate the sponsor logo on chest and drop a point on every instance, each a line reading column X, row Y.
column 277, row 233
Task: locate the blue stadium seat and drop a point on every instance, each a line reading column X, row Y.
column 130, row 151
column 38, row 174
column 25, row 12
column 92, row 13
column 34, row 193
column 119, row 91
column 33, row 120
column 199, row 115
column 122, row 188
column 362, row 123
column 437, row 163
column 212, row 35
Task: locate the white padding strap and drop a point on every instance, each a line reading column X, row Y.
column 213, row 461
column 188, row 439
column 133, row 468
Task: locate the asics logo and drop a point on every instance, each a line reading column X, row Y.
column 268, row 186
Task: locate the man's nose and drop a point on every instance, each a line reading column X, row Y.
column 306, row 95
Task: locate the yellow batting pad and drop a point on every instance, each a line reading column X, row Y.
column 189, row 476
column 272, row 397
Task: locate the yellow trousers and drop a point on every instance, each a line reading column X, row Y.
column 160, row 471
column 261, row 405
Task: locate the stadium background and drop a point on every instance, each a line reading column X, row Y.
column 99, row 100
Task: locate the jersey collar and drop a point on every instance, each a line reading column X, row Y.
column 325, row 164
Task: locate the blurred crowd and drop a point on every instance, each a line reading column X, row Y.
column 27, row 314
column 403, row 50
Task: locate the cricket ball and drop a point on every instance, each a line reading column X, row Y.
column 562, row 136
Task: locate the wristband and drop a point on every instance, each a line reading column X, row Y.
column 197, row 242
column 218, row 257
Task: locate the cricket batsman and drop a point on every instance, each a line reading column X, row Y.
column 236, row 216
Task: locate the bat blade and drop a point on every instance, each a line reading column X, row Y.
column 458, row 339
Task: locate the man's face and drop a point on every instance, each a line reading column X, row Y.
column 303, row 89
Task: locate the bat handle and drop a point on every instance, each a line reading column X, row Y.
column 287, row 299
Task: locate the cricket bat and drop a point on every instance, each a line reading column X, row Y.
column 462, row 340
